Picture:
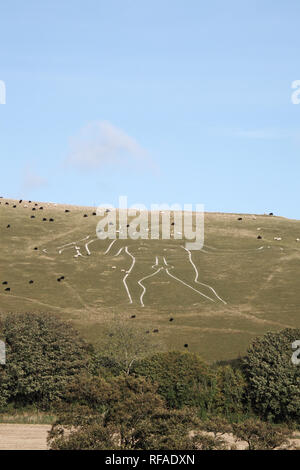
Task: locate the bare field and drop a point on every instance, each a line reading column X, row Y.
column 23, row 436
column 34, row 437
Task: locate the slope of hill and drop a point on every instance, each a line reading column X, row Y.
column 214, row 300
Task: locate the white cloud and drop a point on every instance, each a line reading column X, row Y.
column 31, row 180
column 100, row 143
column 258, row 134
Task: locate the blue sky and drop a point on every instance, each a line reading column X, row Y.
column 162, row 101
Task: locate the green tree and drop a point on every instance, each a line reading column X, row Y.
column 183, row 378
column 43, row 354
column 274, row 381
column 121, row 413
column 122, row 346
column 231, row 391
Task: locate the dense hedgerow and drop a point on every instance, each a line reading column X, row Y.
column 274, row 381
column 184, row 379
column 43, row 354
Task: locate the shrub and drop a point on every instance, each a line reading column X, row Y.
column 183, row 378
column 274, row 381
column 261, row 435
column 43, row 353
column 123, row 413
column 231, row 391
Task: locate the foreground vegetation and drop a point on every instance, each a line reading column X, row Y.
column 126, row 393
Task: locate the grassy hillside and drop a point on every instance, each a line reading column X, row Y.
column 251, row 285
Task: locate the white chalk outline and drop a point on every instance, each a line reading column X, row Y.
column 61, row 248
column 197, row 275
column 177, row 279
column 108, row 249
column 143, row 287
column 127, row 274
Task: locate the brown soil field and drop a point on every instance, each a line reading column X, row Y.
column 34, row 437
column 23, row 436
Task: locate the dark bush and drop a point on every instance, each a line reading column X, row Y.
column 43, row 354
column 274, row 381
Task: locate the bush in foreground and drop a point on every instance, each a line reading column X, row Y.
column 274, row 381
column 43, row 354
column 124, row 413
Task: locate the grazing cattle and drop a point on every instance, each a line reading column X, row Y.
column 32, row 217
column 171, row 319
column 58, row 279
column 107, row 210
column 259, row 237
column 128, row 225
column 133, row 316
column 35, row 248
column 297, row 239
column 271, row 213
column 41, row 208
column 7, row 204
column 33, row 209
column 62, row 278
column 44, row 219
column 155, row 331
column 173, row 223
column 94, row 213
column 36, row 204
column 29, row 202
column 147, row 331
column 51, row 220
column 20, row 201
column 4, row 283
column 240, row 218
column 14, row 206
column 67, row 210
column 8, row 226
column 85, row 215
column 30, row 282
column 186, row 345
column 7, row 289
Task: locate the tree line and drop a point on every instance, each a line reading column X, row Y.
column 126, row 393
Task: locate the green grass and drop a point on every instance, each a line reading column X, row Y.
column 261, row 287
column 26, row 417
